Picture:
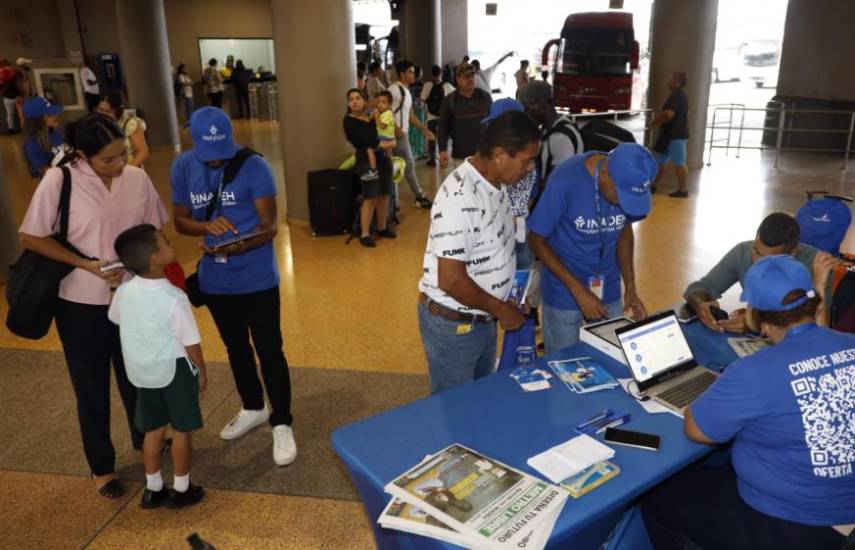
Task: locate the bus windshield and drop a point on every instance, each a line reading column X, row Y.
column 597, row 51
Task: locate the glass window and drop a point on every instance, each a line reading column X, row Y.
column 255, row 52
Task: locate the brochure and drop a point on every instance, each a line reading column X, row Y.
column 590, row 478
column 531, row 379
column 486, row 501
column 406, row 517
column 570, row 458
column 519, row 290
column 583, row 374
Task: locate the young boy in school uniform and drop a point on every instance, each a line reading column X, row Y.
column 163, row 357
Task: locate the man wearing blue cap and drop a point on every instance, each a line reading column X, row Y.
column 581, row 232
column 239, row 281
column 790, row 411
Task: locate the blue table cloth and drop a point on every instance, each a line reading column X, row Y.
column 494, row 416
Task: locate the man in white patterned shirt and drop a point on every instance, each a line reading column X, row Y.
column 470, row 260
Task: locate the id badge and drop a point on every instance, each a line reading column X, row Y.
column 520, row 223
column 595, row 285
column 221, row 259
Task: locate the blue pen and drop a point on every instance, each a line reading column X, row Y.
column 616, row 422
column 596, row 418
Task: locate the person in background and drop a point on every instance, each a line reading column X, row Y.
column 447, row 74
column 91, row 89
column 469, row 260
column 402, row 104
column 361, row 132
column 162, row 350
column 241, row 77
column 484, row 77
column 581, row 231
column 360, row 80
column 561, row 138
column 521, row 75
column 112, row 105
column 788, row 411
column 460, row 117
column 108, row 197
column 186, row 89
column 240, row 281
column 227, row 71
column 44, row 146
column 544, row 75
column 374, row 84
column 433, row 91
column 9, row 92
column 23, row 86
column 214, row 84
column 778, row 233
column 674, row 134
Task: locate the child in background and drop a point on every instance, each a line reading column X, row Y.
column 385, row 127
column 163, row 358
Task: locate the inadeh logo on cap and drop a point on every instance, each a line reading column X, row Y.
column 642, row 189
column 213, row 135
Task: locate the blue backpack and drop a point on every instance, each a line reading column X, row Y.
column 823, row 220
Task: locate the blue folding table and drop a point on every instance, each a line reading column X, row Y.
column 494, row 416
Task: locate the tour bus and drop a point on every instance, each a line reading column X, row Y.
column 594, row 62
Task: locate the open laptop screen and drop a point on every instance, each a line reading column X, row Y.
column 655, row 346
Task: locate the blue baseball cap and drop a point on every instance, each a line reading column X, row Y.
column 770, row 279
column 502, row 106
column 633, row 170
column 39, row 106
column 211, row 130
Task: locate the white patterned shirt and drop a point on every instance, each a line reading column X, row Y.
column 472, row 222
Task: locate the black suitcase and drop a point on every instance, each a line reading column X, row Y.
column 602, row 135
column 331, row 198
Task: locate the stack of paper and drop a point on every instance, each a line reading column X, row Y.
column 583, row 374
column 570, row 458
column 463, row 497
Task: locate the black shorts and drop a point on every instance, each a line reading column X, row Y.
column 176, row 404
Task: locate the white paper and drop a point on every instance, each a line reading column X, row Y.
column 650, row 406
column 569, row 458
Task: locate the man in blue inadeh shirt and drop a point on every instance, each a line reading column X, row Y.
column 790, row 411
column 240, row 281
column 581, row 231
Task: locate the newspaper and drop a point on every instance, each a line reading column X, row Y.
column 489, row 503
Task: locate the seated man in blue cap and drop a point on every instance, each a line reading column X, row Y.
column 581, row 231
column 790, row 411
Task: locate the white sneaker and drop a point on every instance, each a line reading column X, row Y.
column 243, row 422
column 284, row 446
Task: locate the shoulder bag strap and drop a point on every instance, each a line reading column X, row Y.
column 230, row 172
column 64, row 203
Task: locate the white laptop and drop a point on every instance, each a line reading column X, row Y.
column 661, row 361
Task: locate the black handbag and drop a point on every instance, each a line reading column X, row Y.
column 191, row 284
column 33, row 288
column 662, row 142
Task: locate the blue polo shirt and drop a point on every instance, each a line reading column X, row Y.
column 790, row 410
column 38, row 157
column 194, row 185
column 566, row 216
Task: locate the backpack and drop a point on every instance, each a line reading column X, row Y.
column 823, row 220
column 567, row 128
column 602, row 135
column 434, row 98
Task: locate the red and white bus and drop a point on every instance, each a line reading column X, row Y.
column 594, row 63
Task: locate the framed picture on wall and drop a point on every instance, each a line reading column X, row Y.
column 61, row 86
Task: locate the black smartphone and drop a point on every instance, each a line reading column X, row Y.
column 632, row 439
column 686, row 313
column 719, row 314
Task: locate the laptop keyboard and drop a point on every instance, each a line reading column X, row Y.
column 684, row 393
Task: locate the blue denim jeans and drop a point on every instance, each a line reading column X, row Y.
column 455, row 358
column 561, row 326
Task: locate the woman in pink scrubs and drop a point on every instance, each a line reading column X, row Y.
column 107, row 197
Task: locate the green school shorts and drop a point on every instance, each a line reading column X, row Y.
column 176, row 404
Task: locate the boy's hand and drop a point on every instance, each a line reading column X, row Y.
column 203, row 381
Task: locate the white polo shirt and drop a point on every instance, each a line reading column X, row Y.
column 86, row 74
column 471, row 221
column 404, row 101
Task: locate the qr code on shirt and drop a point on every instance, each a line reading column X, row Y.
column 827, row 404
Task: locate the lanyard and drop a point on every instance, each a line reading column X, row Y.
column 602, row 248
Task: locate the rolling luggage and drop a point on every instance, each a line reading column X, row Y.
column 331, row 198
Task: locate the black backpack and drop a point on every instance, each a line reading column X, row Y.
column 434, row 98
column 568, row 129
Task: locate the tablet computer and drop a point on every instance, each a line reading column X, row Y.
column 238, row 238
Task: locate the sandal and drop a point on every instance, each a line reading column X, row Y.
column 112, row 489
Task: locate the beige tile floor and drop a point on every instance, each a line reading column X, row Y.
column 353, row 309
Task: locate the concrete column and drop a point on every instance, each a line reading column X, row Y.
column 683, row 39
column 455, row 34
column 421, row 32
column 312, row 88
column 146, row 65
column 9, row 248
